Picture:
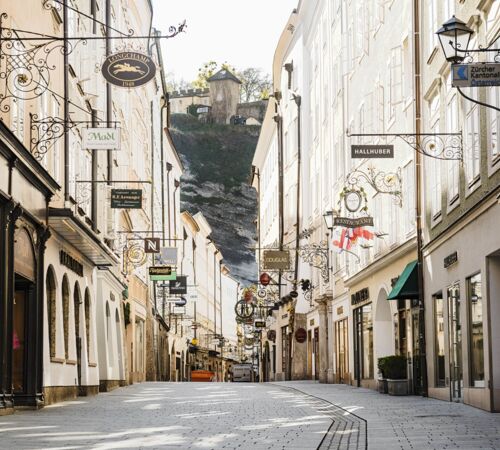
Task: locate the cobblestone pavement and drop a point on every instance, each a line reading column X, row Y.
column 291, row 415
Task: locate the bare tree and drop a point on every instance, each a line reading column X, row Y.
column 255, row 85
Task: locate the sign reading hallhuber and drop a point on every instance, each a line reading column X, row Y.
column 276, row 260
column 128, row 69
column 476, row 74
column 126, row 198
column 372, row 151
column 101, row 138
column 347, row 222
column 162, row 273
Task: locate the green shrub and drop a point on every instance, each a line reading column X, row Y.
column 395, row 367
column 382, row 366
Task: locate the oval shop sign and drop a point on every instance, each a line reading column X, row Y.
column 128, row 69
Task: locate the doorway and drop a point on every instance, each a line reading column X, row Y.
column 316, row 353
column 77, row 300
column 23, row 296
column 415, row 354
column 341, row 350
column 455, row 344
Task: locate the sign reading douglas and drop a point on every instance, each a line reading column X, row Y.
column 128, row 69
column 276, row 260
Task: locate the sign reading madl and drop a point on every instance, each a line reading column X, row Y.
column 476, row 74
column 276, row 260
column 101, row 138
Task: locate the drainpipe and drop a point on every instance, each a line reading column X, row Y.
column 256, row 173
column 279, row 126
column 169, row 169
column 109, row 104
column 418, row 192
column 221, row 331
column 177, row 184
column 298, row 102
column 66, row 104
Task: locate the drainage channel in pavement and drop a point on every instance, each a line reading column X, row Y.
column 347, row 431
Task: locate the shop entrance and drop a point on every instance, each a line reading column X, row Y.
column 341, row 351
column 23, row 297
column 455, row 344
column 363, row 343
column 415, row 353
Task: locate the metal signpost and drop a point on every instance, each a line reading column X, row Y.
column 475, row 74
column 101, row 138
column 128, row 69
column 372, row 151
column 276, row 260
column 126, row 198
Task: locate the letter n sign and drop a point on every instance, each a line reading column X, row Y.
column 152, row 245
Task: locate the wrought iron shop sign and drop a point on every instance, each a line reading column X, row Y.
column 372, row 151
column 348, row 222
column 128, row 69
column 476, row 74
column 101, row 138
column 276, row 260
column 162, row 273
column 167, row 256
column 126, row 198
column 260, row 324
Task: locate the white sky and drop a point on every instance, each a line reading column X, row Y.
column 243, row 33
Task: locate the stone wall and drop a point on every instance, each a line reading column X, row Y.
column 256, row 110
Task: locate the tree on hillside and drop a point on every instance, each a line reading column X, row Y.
column 255, row 85
column 207, row 70
column 174, row 84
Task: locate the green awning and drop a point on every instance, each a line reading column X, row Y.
column 407, row 285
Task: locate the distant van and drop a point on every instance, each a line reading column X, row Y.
column 242, row 372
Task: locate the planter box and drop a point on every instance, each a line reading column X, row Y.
column 382, row 386
column 397, row 387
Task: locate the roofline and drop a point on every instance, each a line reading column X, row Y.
column 169, row 137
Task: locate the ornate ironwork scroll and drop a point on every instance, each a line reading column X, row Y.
column 26, row 67
column 44, row 132
column 316, row 255
column 382, row 182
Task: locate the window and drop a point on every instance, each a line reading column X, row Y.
column 492, row 16
column 493, row 122
column 453, row 165
column 472, row 143
column 439, row 340
column 434, row 166
column 65, row 301
column 409, row 197
column 476, row 333
column 50, row 287
column 431, row 24
column 396, row 76
column 449, row 9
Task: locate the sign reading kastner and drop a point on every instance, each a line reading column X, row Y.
column 101, row 138
column 372, row 151
column 128, row 69
column 126, row 198
column 476, row 74
column 276, row 260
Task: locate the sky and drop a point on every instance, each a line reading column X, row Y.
column 242, row 33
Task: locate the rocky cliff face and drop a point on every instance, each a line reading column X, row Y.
column 218, row 161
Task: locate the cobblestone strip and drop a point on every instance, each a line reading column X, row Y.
column 347, row 431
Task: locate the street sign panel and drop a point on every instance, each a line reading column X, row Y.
column 167, row 256
column 260, row 324
column 152, row 245
column 349, row 222
column 126, row 198
column 276, row 260
column 162, row 273
column 101, row 138
column 178, row 286
column 475, row 74
column 372, row 151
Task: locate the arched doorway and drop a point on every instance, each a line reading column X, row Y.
column 51, row 295
column 65, row 307
column 383, row 335
column 267, row 360
column 183, row 367
column 119, row 345
column 23, row 308
column 77, row 300
column 87, row 323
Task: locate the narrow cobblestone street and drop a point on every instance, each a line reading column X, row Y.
column 300, row 415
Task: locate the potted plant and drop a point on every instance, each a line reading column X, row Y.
column 395, row 370
column 382, row 379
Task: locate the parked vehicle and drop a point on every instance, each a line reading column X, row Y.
column 242, row 372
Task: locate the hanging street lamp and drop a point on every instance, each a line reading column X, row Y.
column 454, row 37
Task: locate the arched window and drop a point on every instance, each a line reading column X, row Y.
column 65, row 304
column 87, row 321
column 77, row 300
column 51, row 286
